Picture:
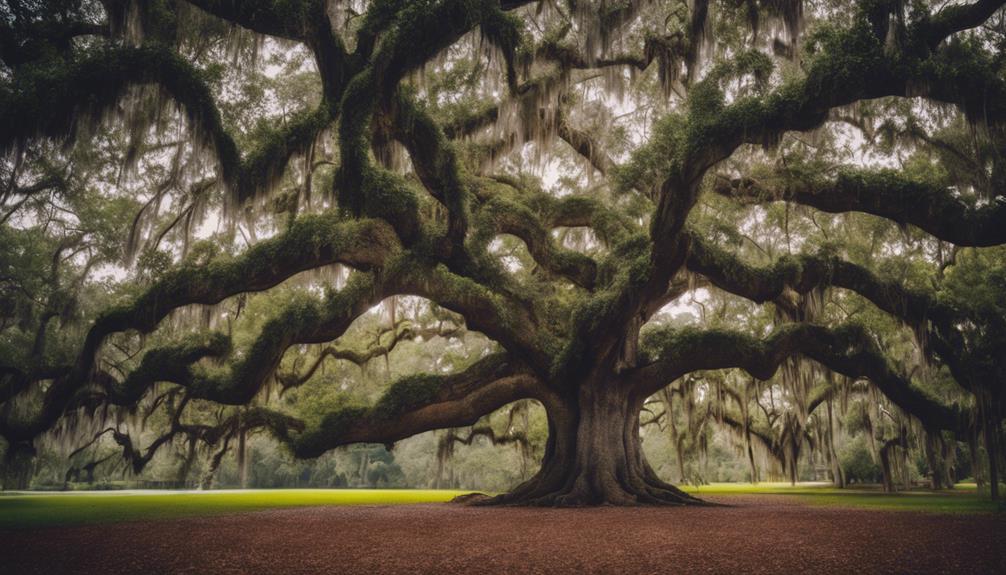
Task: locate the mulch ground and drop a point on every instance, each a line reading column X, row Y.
column 756, row 534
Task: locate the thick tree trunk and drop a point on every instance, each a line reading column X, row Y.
column 594, row 456
column 18, row 466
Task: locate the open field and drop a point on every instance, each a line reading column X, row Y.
column 33, row 510
column 964, row 498
column 754, row 533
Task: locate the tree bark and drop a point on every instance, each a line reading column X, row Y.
column 243, row 458
column 594, row 456
column 992, row 449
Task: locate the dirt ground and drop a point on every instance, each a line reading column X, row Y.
column 756, row 534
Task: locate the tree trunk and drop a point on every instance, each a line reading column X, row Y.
column 976, row 460
column 187, row 462
column 594, row 456
column 243, row 459
column 992, row 449
column 751, row 460
column 837, row 474
column 18, row 466
column 885, row 467
column 933, row 460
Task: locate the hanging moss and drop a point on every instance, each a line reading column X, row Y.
column 169, row 363
column 266, row 162
column 52, row 100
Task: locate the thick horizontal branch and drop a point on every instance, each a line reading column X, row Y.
column 890, row 195
column 310, row 243
column 51, row 102
column 957, row 18
column 290, row 19
column 609, row 225
column 307, row 320
column 855, row 66
column 404, row 331
column 806, row 272
column 847, row 350
column 510, row 217
column 852, row 65
column 32, row 41
column 16, row 380
column 279, row 424
column 421, row 403
column 503, row 318
column 302, row 321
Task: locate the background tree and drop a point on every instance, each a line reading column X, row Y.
column 212, row 196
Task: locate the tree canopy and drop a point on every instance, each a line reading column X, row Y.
column 782, row 218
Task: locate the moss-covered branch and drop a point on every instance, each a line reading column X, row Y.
column 307, row 320
column 610, row 226
column 850, row 65
column 264, row 165
column 585, row 145
column 53, row 100
column 290, row 19
column 434, row 159
column 957, row 18
column 419, row 403
column 404, row 331
column 511, row 322
column 302, row 321
column 415, row 33
column 279, row 424
column 806, row 272
column 50, row 101
column 500, row 216
column 890, row 195
column 310, row 243
column 847, row 350
column 853, row 65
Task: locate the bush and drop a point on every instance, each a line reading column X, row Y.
column 858, row 464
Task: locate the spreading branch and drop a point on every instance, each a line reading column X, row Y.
column 890, row 195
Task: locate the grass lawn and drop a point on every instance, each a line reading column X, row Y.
column 964, row 498
column 30, row 510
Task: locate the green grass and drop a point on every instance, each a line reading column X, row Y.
column 33, row 510
column 73, row 508
column 964, row 498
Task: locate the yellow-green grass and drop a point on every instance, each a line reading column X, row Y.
column 964, row 498
column 31, row 510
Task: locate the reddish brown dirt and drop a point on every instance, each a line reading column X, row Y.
column 756, row 535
